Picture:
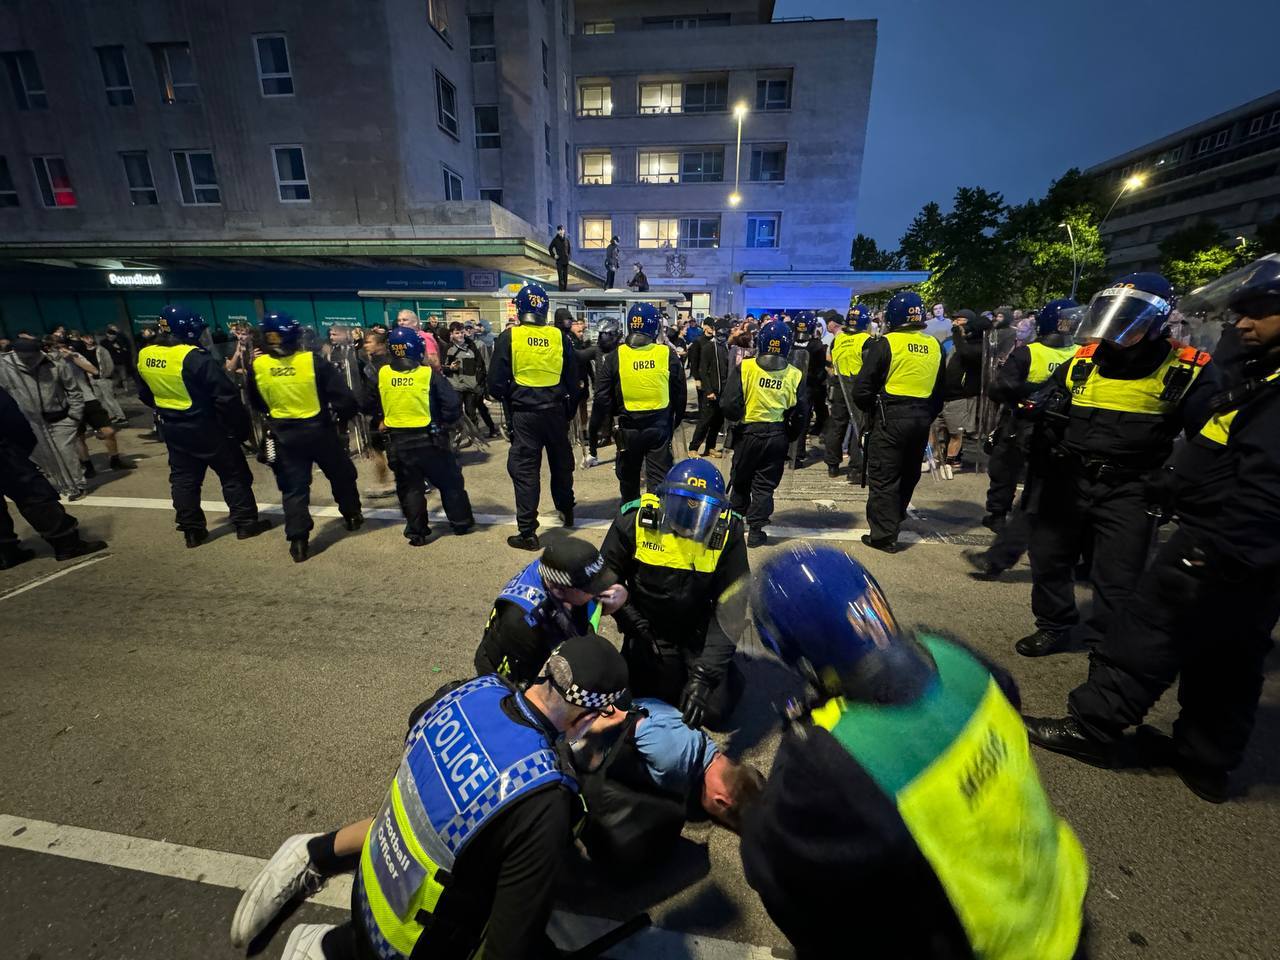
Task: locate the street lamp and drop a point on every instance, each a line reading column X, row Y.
column 1242, row 241
column 1134, row 182
column 735, row 198
column 1075, row 260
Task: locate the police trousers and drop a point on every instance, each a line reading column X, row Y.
column 1073, row 511
column 416, row 460
column 759, row 457
column 35, row 499
column 659, row 667
column 298, row 447
column 1007, row 463
column 196, row 446
column 641, row 444
column 533, row 431
column 1211, row 631
column 894, row 451
column 710, row 422
column 839, row 419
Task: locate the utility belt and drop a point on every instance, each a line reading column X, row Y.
column 432, row 435
column 56, row 417
column 763, row 429
column 1103, row 470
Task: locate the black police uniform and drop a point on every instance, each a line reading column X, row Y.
column 846, row 362
column 1120, row 428
column 516, row 644
column 901, row 409
column 539, row 412
column 202, row 432
column 305, row 434
column 642, row 436
column 815, row 382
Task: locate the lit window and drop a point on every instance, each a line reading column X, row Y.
column 660, row 97
column 274, row 75
column 706, row 166
column 197, row 179
column 291, row 174
column 596, row 232
column 773, row 94
column 483, row 48
column 596, row 168
column 488, row 135
column 176, row 72
column 8, row 192
column 699, row 232
column 653, row 232
column 595, row 100
column 492, row 194
column 446, row 105
column 24, row 77
column 658, row 167
column 137, row 173
column 707, row 96
column 597, row 28
column 768, row 164
column 438, row 16
column 762, row 229
column 452, row 184
column 115, row 76
column 54, row 182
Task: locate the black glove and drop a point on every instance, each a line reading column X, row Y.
column 696, row 696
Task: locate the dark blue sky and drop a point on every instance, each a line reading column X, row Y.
column 1008, row 95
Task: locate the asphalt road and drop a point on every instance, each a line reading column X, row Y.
column 224, row 698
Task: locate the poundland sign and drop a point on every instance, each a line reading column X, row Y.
column 135, row 279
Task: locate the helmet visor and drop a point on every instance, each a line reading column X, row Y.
column 1224, row 298
column 689, row 514
column 1123, row 316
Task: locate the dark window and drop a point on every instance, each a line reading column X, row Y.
column 551, row 217
column 274, row 74
column 546, row 64
column 452, row 185
column 488, row 135
column 702, row 167
column 24, row 76
column 291, row 174
column 176, row 72
column 768, row 163
column 8, row 192
column 446, row 105
column 707, row 96
column 115, row 76
column 686, row 23
column 197, row 178
column 762, row 229
column 483, row 48
column 492, row 194
column 54, row 182
column 773, row 94
column 546, row 132
column 137, row 173
column 699, row 232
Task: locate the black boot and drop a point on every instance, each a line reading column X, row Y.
column 419, row 539
column 1156, row 749
column 833, row 472
column 12, row 554
column 523, row 541
column 195, row 537
column 994, row 521
column 1041, row 643
column 757, row 537
column 261, row 525
column 118, row 462
column 1065, row 735
column 298, row 549
column 89, row 472
column 567, row 517
column 70, row 546
column 983, row 568
column 462, row 529
column 354, row 522
column 884, row 546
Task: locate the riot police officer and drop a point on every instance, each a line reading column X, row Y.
column 899, row 388
column 1130, row 390
column 643, row 382
column 417, row 408
column 1207, row 606
column 763, row 396
column 845, row 363
column 534, row 375
column 679, row 552
column 811, row 364
column 202, row 423
column 903, row 816
column 302, row 394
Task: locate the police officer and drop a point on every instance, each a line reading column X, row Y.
column 301, row 395
column 417, row 408
column 899, row 389
column 643, row 381
column 678, row 552
column 815, row 380
column 1207, row 606
column 903, row 816
column 845, row 362
column 764, row 397
column 1131, row 389
column 533, row 374
column 802, row 326
column 202, row 423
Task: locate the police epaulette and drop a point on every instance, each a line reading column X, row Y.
column 1192, row 355
column 1088, row 350
column 630, row 505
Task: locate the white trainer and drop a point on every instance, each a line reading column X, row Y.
column 287, row 875
column 589, row 461
column 304, row 942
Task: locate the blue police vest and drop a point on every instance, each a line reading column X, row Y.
column 526, row 590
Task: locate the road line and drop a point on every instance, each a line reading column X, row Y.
column 40, row 581
column 235, row 871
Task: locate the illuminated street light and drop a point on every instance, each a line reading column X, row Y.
column 1134, row 182
column 740, row 110
column 735, row 198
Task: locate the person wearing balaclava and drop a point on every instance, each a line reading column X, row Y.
column 49, row 394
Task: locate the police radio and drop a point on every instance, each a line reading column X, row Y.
column 651, row 515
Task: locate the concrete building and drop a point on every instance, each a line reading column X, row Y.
column 1225, row 169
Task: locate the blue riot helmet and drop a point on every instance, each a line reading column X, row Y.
column 693, row 499
column 822, row 613
column 905, row 307
column 774, row 340
column 1058, row 316
column 644, row 324
column 184, row 325
column 531, row 304
column 804, row 325
column 1128, row 311
column 281, row 333
column 404, row 343
column 857, row 319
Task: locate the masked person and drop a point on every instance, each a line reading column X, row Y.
column 764, row 397
column 680, row 552
column 899, row 388
column 302, row 394
column 417, row 407
column 1205, row 610
column 642, row 381
column 909, row 778
column 51, row 397
column 1129, row 391
column 713, row 373
column 203, row 424
column 845, row 361
column 533, row 375
column 808, row 328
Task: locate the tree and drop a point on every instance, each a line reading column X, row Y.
column 1201, row 252
column 923, row 237
column 1182, row 245
column 866, row 254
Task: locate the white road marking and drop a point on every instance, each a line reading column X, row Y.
column 235, row 871
column 40, row 581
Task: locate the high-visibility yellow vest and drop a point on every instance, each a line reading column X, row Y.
column 846, row 353
column 914, row 359
column 958, row 766
column 645, row 375
column 659, row 548
column 768, row 394
column 537, row 355
column 161, row 368
column 1218, row 427
column 1046, row 359
column 288, row 385
column 406, row 396
column 1146, row 395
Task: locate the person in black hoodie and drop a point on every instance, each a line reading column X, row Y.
column 962, row 383
column 713, row 373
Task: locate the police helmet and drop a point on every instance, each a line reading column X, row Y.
column 693, row 498
column 1258, row 294
column 823, row 613
column 531, row 304
column 404, row 343
column 857, row 319
column 184, row 325
column 905, row 307
column 644, row 324
column 1057, row 316
column 804, row 325
column 1132, row 309
column 774, row 340
column 281, row 333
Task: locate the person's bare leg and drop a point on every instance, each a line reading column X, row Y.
column 381, row 470
column 350, row 839
column 954, row 444
column 82, row 450
column 108, row 438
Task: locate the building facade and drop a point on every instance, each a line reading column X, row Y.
column 1225, row 169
